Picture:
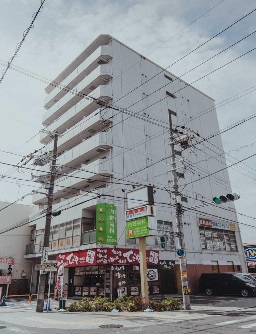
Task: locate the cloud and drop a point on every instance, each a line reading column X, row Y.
column 64, row 28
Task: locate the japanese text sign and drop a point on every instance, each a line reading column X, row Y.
column 137, row 228
column 106, row 224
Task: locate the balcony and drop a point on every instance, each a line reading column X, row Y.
column 30, row 249
column 82, row 131
column 98, row 171
column 87, row 150
column 100, row 76
column 77, row 113
column 100, row 56
column 100, row 40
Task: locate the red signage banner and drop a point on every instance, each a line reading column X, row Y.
column 76, row 259
column 101, row 256
column 5, row 279
column 7, row 260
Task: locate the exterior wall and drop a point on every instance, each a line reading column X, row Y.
column 13, row 245
column 134, row 142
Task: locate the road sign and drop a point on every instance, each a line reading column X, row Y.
column 45, row 254
column 180, row 252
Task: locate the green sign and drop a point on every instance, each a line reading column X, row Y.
column 106, row 224
column 137, row 228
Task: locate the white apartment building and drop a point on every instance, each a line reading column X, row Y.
column 15, row 271
column 112, row 150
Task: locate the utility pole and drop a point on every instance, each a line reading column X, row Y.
column 179, row 225
column 42, row 277
column 143, row 271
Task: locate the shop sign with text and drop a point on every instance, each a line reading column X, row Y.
column 120, row 256
column 5, row 279
column 7, row 260
column 102, row 256
column 250, row 252
column 218, row 225
column 106, row 224
column 141, row 227
column 76, row 259
column 142, row 211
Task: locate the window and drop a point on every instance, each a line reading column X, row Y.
column 69, row 229
column 171, row 95
column 217, row 240
column 77, row 227
column 62, row 231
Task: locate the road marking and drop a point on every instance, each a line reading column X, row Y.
column 230, row 322
column 248, row 326
column 17, row 330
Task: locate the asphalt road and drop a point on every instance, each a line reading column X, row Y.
column 208, row 315
column 212, row 324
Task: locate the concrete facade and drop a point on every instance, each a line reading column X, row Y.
column 109, row 151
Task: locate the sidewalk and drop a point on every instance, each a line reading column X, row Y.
column 23, row 313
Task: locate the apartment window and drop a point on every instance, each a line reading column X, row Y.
column 39, row 236
column 62, row 231
column 168, row 77
column 69, row 229
column 76, row 227
column 217, row 239
column 215, row 267
column 171, row 95
column 55, row 232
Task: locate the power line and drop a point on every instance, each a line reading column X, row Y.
column 19, row 45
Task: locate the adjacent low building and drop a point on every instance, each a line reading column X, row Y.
column 15, row 271
column 111, row 109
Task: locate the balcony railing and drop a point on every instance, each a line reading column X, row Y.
column 84, row 69
column 100, row 76
column 98, row 171
column 77, row 113
column 30, row 249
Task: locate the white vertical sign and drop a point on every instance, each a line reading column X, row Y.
column 45, row 254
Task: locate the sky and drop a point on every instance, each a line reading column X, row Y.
column 163, row 31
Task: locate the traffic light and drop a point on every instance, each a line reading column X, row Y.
column 163, row 241
column 224, row 199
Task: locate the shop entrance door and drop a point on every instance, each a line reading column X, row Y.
column 168, row 281
column 71, row 274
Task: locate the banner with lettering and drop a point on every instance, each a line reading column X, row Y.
column 101, row 256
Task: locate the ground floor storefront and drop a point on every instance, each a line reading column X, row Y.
column 114, row 272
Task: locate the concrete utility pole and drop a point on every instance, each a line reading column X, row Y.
column 179, row 225
column 42, row 277
column 143, row 271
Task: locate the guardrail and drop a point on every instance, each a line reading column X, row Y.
column 30, row 296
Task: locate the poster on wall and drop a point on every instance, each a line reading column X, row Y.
column 134, row 290
column 85, row 291
column 152, row 275
column 155, row 289
column 122, row 291
column 78, row 291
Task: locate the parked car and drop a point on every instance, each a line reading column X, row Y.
column 227, row 284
